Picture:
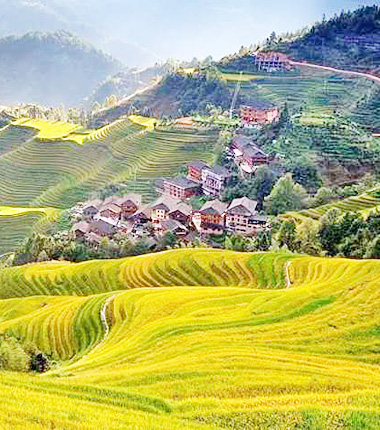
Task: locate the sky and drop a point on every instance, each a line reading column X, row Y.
column 187, row 28
column 142, row 32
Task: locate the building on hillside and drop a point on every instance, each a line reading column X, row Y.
column 129, row 204
column 209, row 219
column 104, row 227
column 258, row 112
column 194, row 170
column 173, row 226
column 91, row 209
column 79, row 230
column 181, row 212
column 214, row 179
column 248, row 155
column 142, row 216
column 242, row 217
column 180, row 188
column 271, row 61
column 110, row 210
column 160, row 209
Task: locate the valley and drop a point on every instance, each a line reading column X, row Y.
column 195, row 245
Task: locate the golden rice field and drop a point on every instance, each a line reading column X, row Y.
column 48, row 129
column 147, row 122
column 196, row 339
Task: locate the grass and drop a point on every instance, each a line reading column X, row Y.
column 199, row 338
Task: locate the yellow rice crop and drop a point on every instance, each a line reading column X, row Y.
column 198, row 339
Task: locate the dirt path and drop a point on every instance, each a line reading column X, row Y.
column 103, row 318
column 333, row 69
column 287, row 278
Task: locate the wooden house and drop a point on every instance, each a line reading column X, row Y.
column 180, row 188
column 194, row 171
column 209, row 219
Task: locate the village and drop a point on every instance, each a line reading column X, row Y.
column 173, row 212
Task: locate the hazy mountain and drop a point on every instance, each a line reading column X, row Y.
column 51, row 68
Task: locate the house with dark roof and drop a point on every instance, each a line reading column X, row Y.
column 110, row 210
column 161, row 208
column 79, row 230
column 142, row 215
column 173, row 226
column 104, row 226
column 91, row 209
column 209, row 219
column 180, row 188
column 194, row 171
column 242, row 217
column 129, row 204
column 248, row 155
column 181, row 212
column 214, row 179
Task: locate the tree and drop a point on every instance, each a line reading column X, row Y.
column 329, row 232
column 285, row 196
column 287, row 235
column 307, row 235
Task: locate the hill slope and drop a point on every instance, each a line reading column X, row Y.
column 350, row 40
column 50, row 68
column 246, row 341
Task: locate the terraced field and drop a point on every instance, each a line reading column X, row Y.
column 365, row 204
column 18, row 223
column 58, row 173
column 196, row 339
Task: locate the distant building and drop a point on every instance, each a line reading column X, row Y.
column 258, row 112
column 213, row 179
column 181, row 212
column 271, row 61
column 91, row 209
column 160, row 209
column 129, row 204
column 110, row 210
column 242, row 217
column 248, row 154
column 209, row 219
column 173, row 226
column 180, row 188
column 104, row 227
column 79, row 230
column 194, row 170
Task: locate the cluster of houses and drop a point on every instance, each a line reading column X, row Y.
column 171, row 212
column 126, row 216
column 201, row 179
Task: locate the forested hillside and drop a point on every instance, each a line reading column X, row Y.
column 350, row 40
column 51, row 68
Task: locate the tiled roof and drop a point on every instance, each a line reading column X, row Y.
column 199, row 165
column 243, row 206
column 181, row 182
column 214, row 207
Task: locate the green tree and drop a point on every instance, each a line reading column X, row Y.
column 285, row 196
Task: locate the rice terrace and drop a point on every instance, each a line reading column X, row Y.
column 190, row 243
